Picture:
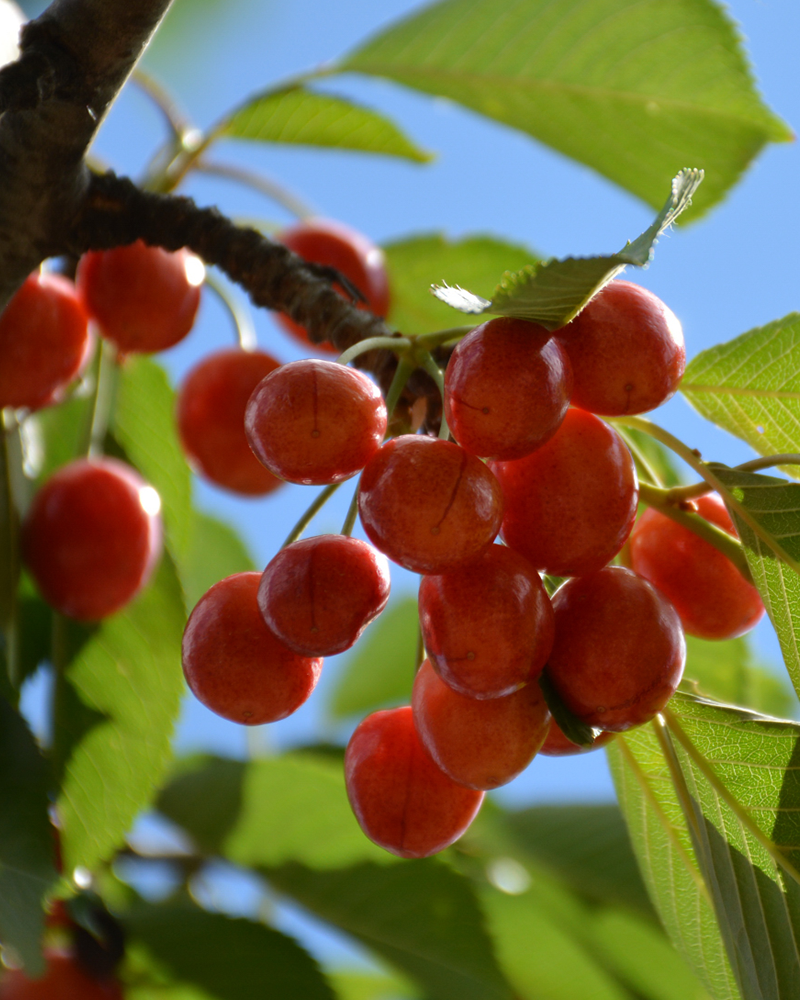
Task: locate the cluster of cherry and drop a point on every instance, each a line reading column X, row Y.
column 534, row 462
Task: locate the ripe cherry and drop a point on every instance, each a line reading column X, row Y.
column 507, row 388
column 480, row 744
column 315, row 422
column 402, row 800
column 570, row 504
column 709, row 593
column 210, row 415
column 64, row 979
column 323, row 241
column 92, row 537
column 558, row 745
column 428, row 504
column 626, row 349
column 488, row 624
column 619, row 650
column 319, row 594
column 235, row 665
column 143, row 298
column 44, row 342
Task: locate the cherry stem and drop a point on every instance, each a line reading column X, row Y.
column 402, row 374
column 664, row 501
column 238, row 311
column 258, row 182
column 642, row 461
column 319, row 502
column 176, row 120
column 10, row 469
column 427, row 341
column 427, row 362
column 397, row 344
column 105, row 383
column 352, row 514
column 754, row 465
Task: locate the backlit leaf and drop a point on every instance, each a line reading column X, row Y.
column 215, row 551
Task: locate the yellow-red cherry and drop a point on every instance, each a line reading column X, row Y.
column 402, row 800
column 92, row 537
column 235, row 665
column 557, row 744
column 210, row 412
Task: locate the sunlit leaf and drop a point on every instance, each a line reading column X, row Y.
column 751, row 387
column 215, row 551
column 303, row 117
column 635, row 90
column 554, row 291
column 357, row 985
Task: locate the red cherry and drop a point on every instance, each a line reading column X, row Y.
column 143, row 298
column 235, row 665
column 570, row 504
column 92, row 537
column 402, row 800
column 619, row 650
column 323, row 241
column 487, row 625
column 64, row 979
column 557, row 745
column 315, row 422
column 480, row 744
column 210, row 415
column 428, row 504
column 626, row 349
column 709, row 593
column 44, row 342
column 319, row 594
column 507, row 388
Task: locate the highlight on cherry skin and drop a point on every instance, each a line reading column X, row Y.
column 487, row 625
column 354, row 255
column 619, row 649
column 144, row 299
column 209, row 413
column 507, row 388
column 709, row 593
column 319, row 594
column 315, row 422
column 44, row 342
column 92, row 537
column 479, row 743
column 235, row 665
column 627, row 351
column 401, row 799
column 456, row 510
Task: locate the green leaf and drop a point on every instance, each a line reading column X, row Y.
column 553, row 292
column 229, row 959
column 421, row 916
column 418, row 262
column 215, row 551
column 305, row 118
column 750, row 386
column 117, row 701
column 268, row 812
column 727, row 671
column 660, row 461
column 370, row 986
column 635, row 90
column 62, row 431
column 381, row 670
column 144, row 425
column 27, row 841
column 663, row 846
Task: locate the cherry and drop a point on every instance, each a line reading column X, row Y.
column 318, row 595
column 44, row 342
column 323, row 241
column 626, row 349
column 711, row 596
column 507, row 388
column 210, row 416
column 428, row 504
column 402, row 800
column 143, row 298
column 479, row 744
column 619, row 650
column 92, row 537
column 64, row 979
column 570, row 504
column 315, row 422
column 235, row 665
column 557, row 745
column 487, row 625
